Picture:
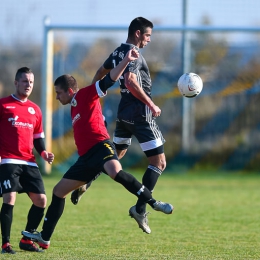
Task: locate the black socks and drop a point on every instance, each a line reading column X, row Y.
column 34, row 218
column 52, row 216
column 134, row 186
column 6, row 217
column 149, row 180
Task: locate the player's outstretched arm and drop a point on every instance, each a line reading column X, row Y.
column 116, row 72
column 100, row 74
column 109, row 80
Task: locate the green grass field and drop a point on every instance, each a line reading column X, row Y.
column 215, row 217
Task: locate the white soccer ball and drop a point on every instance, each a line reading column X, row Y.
column 190, row 85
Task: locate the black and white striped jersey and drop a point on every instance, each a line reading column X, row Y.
column 130, row 108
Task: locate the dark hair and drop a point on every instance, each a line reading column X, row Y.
column 139, row 23
column 21, row 71
column 65, row 82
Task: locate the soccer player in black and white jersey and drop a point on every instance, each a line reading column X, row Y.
column 96, row 152
column 136, row 112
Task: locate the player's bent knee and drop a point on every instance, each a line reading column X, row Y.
column 39, row 200
column 162, row 166
column 158, row 161
column 112, row 168
column 121, row 153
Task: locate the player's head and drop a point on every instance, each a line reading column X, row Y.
column 65, row 86
column 139, row 32
column 24, row 80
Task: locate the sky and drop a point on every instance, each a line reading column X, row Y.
column 21, row 22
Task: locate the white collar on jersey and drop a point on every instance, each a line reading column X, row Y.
column 73, row 102
column 18, row 98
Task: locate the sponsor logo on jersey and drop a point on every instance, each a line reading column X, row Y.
column 12, row 119
column 124, row 90
column 121, row 55
column 114, row 53
column 10, row 107
column 75, row 119
column 16, row 123
column 129, row 122
column 31, row 110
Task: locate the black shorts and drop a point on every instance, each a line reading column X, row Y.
column 20, row 178
column 89, row 166
column 148, row 135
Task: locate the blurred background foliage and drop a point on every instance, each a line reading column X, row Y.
column 225, row 118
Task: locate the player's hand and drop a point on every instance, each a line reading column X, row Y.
column 48, row 157
column 132, row 54
column 156, row 111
